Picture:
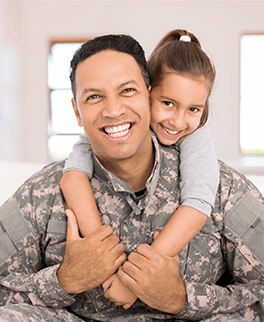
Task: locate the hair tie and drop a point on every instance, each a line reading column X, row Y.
column 185, row 38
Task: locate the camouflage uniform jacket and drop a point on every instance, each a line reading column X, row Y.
column 33, row 233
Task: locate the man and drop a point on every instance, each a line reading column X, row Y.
column 42, row 279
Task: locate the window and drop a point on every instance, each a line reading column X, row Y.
column 251, row 94
column 63, row 129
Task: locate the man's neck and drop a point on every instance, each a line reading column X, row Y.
column 134, row 171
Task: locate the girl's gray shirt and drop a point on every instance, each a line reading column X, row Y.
column 199, row 168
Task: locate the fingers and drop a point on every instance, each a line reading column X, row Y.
column 120, row 260
column 146, row 251
column 104, row 232
column 72, row 229
column 131, row 269
column 156, row 234
column 176, row 258
column 127, row 306
column 106, row 284
column 125, row 277
column 139, row 264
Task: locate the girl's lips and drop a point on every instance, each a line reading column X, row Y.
column 169, row 132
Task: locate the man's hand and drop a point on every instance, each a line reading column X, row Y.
column 155, row 279
column 118, row 293
column 89, row 261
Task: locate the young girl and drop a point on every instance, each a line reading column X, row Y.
column 181, row 77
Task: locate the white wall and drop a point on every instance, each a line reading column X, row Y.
column 11, row 106
column 217, row 24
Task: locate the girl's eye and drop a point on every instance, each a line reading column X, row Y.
column 194, row 109
column 168, row 103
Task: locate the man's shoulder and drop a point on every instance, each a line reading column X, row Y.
column 38, row 200
column 166, row 153
column 231, row 176
column 52, row 171
column 235, row 189
column 41, row 186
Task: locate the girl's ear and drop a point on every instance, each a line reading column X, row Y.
column 76, row 112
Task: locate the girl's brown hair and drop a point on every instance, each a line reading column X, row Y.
column 173, row 55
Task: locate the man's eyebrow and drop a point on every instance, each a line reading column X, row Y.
column 132, row 82
column 93, row 89
column 90, row 89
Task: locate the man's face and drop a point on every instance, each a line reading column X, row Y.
column 112, row 104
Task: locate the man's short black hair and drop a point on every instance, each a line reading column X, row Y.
column 120, row 43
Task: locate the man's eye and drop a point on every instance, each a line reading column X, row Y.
column 128, row 90
column 92, row 97
column 168, row 103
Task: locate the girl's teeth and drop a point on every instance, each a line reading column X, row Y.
column 170, row 131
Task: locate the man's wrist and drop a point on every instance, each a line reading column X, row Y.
column 181, row 300
column 65, row 283
column 49, row 289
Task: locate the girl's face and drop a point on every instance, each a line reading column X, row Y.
column 177, row 106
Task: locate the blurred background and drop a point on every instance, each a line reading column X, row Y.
column 38, row 38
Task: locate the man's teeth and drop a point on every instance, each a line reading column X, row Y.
column 117, row 131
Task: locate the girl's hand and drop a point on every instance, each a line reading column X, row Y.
column 118, row 293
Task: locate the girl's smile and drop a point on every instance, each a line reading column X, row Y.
column 177, row 105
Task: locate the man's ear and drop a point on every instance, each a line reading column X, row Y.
column 76, row 112
column 149, row 89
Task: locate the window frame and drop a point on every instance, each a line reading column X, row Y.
column 50, row 133
column 259, row 153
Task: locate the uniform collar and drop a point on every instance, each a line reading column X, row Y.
column 120, row 186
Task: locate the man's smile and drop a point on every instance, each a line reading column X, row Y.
column 118, row 131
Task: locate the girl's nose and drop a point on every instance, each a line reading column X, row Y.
column 178, row 120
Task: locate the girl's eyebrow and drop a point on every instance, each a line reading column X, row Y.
column 168, row 98
column 174, row 101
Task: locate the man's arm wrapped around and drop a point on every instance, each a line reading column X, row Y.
column 238, row 217
column 32, row 221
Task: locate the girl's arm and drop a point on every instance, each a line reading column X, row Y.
column 199, row 181
column 80, row 198
column 184, row 224
column 76, row 187
column 199, row 171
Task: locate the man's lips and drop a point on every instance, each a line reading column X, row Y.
column 117, row 131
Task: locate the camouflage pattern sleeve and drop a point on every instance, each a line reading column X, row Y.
column 27, row 270
column 238, row 221
column 206, row 300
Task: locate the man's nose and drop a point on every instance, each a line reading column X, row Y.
column 114, row 107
